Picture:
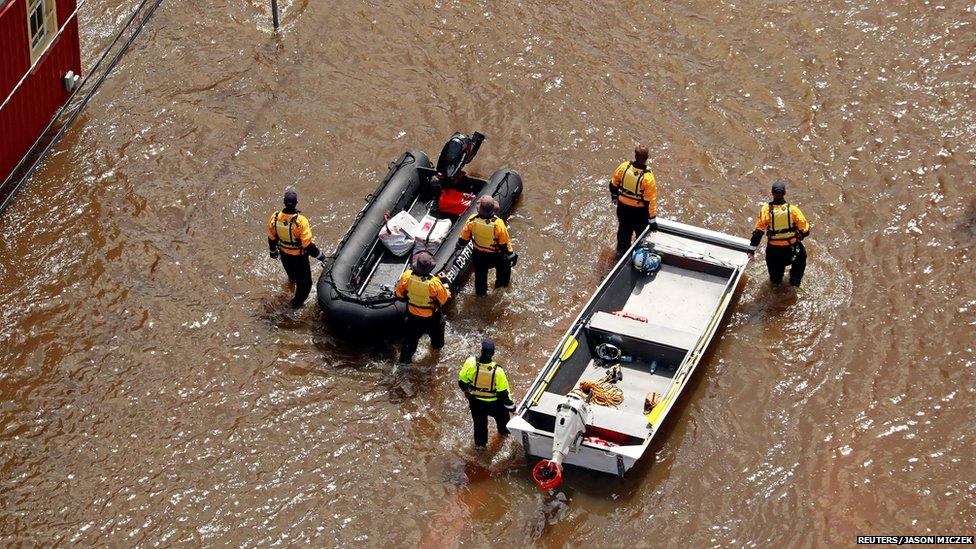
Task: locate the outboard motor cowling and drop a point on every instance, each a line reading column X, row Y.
column 457, row 152
column 572, row 416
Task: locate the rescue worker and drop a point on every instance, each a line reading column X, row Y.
column 492, row 245
column 634, row 191
column 425, row 294
column 290, row 237
column 785, row 227
column 485, row 385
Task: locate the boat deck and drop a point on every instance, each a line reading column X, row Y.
column 388, row 269
column 636, row 383
column 678, row 298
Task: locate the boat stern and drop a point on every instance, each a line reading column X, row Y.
column 611, row 459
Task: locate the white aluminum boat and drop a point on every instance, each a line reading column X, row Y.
column 653, row 329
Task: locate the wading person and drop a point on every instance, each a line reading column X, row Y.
column 785, row 227
column 634, row 191
column 492, row 245
column 425, row 294
column 484, row 383
column 290, row 238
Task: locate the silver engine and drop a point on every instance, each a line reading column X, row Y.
column 572, row 415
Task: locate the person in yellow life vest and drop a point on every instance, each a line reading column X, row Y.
column 485, row 385
column 492, row 245
column 290, row 238
column 634, row 191
column 425, row 294
column 785, row 228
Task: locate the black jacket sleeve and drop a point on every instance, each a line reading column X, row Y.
column 272, row 244
column 505, row 399
column 312, row 250
column 756, row 238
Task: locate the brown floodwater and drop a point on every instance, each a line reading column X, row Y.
column 155, row 389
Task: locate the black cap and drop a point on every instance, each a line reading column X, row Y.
column 291, row 197
column 423, row 262
column 487, row 348
column 779, row 187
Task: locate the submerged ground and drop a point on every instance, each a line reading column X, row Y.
column 155, row 388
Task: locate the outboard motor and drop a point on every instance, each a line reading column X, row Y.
column 572, row 416
column 458, row 151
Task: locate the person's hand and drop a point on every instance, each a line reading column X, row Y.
column 751, row 255
column 321, row 256
column 512, row 258
column 510, row 407
column 441, row 275
column 273, row 254
column 652, row 223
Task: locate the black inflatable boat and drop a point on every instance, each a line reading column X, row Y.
column 355, row 290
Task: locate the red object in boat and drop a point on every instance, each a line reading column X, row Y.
column 632, row 316
column 597, row 441
column 454, row 202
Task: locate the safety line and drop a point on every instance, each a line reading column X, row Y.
column 84, row 101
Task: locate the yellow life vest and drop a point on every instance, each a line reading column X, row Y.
column 284, row 225
column 483, row 381
column 781, row 230
column 483, row 233
column 632, row 183
column 418, row 292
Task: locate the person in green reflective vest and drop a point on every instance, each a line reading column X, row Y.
column 484, row 383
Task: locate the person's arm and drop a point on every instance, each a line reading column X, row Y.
column 650, row 196
column 272, row 237
column 762, row 223
column 440, row 292
column 501, row 390
column 401, row 286
column 502, row 237
column 800, row 222
column 618, row 176
column 304, row 234
column 464, row 378
column 465, row 235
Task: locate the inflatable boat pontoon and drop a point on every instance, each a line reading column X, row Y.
column 355, row 290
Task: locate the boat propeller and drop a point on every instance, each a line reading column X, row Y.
column 547, row 474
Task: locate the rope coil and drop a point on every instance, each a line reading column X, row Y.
column 602, row 392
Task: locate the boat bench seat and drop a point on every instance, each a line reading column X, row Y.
column 645, row 331
column 611, row 419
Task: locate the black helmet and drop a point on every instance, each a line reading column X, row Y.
column 487, row 348
column 291, row 197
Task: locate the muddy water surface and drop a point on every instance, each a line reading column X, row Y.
column 155, row 389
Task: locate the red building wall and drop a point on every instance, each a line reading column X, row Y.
column 31, row 107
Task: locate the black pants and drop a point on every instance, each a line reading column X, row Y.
column 483, row 261
column 631, row 222
column 417, row 326
column 300, row 273
column 480, row 411
column 778, row 257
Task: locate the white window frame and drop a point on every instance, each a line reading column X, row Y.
column 38, row 42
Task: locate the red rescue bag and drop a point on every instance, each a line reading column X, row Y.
column 454, row 202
